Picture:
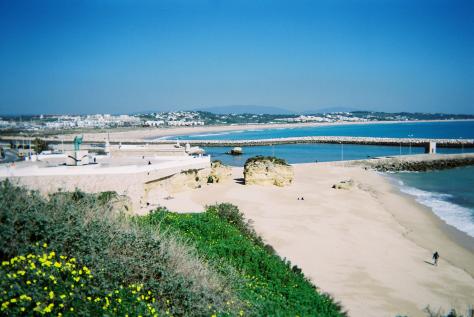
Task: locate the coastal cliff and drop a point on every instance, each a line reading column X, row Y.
column 267, row 171
column 189, row 179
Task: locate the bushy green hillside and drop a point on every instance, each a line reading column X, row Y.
column 80, row 254
column 270, row 285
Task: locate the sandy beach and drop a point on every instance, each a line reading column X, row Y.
column 370, row 246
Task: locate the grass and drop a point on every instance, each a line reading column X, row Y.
column 270, row 286
column 118, row 252
column 78, row 251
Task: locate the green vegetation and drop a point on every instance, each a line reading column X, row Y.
column 40, row 145
column 45, row 283
column 260, row 158
column 118, row 252
column 439, row 313
column 217, row 162
column 81, row 254
column 270, row 286
column 190, row 171
column 210, row 118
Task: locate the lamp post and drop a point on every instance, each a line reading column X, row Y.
column 409, row 141
column 342, row 151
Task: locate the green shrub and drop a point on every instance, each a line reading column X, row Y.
column 259, row 158
column 40, row 145
column 117, row 250
column 190, row 171
column 217, row 162
column 105, row 197
column 270, row 285
column 44, row 283
column 211, row 263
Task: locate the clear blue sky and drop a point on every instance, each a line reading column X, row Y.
column 122, row 56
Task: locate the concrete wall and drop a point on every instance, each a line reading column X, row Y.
column 125, row 180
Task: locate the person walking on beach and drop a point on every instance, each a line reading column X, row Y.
column 435, row 258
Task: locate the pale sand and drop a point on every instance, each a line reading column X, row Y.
column 366, row 246
column 119, row 134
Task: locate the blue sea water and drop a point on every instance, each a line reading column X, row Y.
column 303, row 153
column 449, row 193
column 306, row 153
column 448, row 129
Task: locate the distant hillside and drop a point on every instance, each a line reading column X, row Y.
column 330, row 110
column 246, row 109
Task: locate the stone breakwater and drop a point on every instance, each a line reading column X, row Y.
column 337, row 140
column 418, row 163
column 453, row 143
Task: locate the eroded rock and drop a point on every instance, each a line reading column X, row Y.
column 268, row 171
column 348, row 184
column 219, row 172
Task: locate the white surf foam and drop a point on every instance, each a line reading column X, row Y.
column 453, row 214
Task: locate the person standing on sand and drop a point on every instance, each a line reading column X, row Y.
column 435, row 258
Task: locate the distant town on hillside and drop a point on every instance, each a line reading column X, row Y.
column 45, row 123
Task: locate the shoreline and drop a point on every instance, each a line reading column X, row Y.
column 461, row 238
column 370, row 247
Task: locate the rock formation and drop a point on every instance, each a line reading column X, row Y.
column 420, row 163
column 219, row 172
column 236, row 151
column 268, row 171
column 344, row 184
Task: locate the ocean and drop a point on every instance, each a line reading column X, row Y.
column 439, row 130
column 449, row 193
column 304, row 153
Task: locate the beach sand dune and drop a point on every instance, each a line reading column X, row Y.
column 368, row 246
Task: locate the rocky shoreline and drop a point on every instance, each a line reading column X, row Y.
column 419, row 163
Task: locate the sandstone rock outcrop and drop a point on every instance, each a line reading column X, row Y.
column 219, row 172
column 268, row 171
column 344, row 184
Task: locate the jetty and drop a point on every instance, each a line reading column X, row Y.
column 418, row 162
column 453, row 143
column 415, row 142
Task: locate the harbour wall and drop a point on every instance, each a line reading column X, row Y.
column 418, row 163
column 416, row 142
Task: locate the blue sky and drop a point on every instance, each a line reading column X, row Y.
column 121, row 56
